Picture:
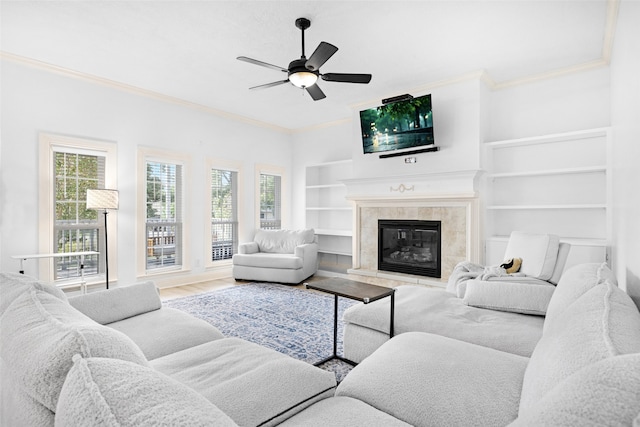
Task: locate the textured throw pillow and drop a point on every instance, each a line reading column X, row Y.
column 120, row 303
column 505, row 296
column 604, row 393
column 574, row 283
column 12, row 285
column 113, row 392
column 602, row 323
column 39, row 336
column 539, row 253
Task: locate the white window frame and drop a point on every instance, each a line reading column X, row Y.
column 223, row 165
column 151, row 154
column 284, row 200
column 48, row 145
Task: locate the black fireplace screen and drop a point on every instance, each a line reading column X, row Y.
column 408, row 246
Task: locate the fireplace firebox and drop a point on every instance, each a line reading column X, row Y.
column 410, row 246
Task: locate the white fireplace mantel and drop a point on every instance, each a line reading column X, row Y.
column 450, row 196
column 441, row 185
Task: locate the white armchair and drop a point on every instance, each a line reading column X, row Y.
column 280, row 256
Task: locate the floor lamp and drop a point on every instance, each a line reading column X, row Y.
column 101, row 199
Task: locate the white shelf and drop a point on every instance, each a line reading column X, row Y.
column 542, row 207
column 551, row 138
column 566, row 171
column 333, row 232
column 312, row 187
column 327, row 209
column 558, row 183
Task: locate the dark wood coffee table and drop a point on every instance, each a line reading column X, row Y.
column 360, row 291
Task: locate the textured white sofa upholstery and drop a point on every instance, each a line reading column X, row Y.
column 278, row 256
column 584, row 370
column 481, row 305
column 118, row 357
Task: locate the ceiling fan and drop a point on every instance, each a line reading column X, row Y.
column 304, row 73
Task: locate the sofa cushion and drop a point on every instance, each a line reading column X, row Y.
column 12, row 285
column 112, row 392
column 418, row 308
column 539, row 253
column 252, row 384
column 342, row 411
column 602, row 323
column 166, row 331
column 282, row 241
column 268, row 260
column 430, row 380
column 603, row 393
column 563, row 254
column 119, row 303
column 573, row 284
column 504, row 296
column 41, row 333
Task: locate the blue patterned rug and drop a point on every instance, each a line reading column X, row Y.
column 293, row 321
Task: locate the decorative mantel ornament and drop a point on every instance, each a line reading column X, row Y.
column 402, row 188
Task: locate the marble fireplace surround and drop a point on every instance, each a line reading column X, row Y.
column 449, row 197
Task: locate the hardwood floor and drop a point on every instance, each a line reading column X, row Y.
column 198, row 288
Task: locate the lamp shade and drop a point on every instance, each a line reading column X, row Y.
column 102, row 199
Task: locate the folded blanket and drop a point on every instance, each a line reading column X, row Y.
column 466, row 270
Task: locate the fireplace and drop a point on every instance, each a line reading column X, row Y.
column 410, row 246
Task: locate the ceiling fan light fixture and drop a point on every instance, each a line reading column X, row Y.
column 303, row 79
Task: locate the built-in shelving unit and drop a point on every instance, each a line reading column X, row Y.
column 330, row 213
column 558, row 184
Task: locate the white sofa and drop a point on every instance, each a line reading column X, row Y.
column 118, row 357
column 60, row 366
column 481, row 305
column 584, row 371
column 277, row 256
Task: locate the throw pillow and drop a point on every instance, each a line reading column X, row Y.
column 40, row 334
column 113, row 392
column 604, row 393
column 602, row 323
column 12, row 285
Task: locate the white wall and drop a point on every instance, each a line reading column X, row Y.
column 569, row 103
column 625, row 107
column 456, row 127
column 35, row 100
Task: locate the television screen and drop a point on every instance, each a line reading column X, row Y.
column 402, row 124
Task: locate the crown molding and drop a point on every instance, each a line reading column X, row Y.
column 136, row 90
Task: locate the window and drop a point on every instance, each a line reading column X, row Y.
column 76, row 228
column 68, row 168
column 163, row 218
column 270, row 201
column 224, row 214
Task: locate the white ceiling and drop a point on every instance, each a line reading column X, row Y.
column 188, row 49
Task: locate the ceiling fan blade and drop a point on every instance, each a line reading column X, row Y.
column 315, row 92
column 264, row 86
column 323, row 52
column 264, row 64
column 346, row 78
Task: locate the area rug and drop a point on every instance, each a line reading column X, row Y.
column 293, row 321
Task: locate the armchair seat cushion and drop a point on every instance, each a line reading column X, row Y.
column 268, row 260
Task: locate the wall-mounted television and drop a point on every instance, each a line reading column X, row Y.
column 397, row 126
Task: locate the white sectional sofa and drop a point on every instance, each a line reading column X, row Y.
column 481, row 305
column 118, row 357
column 60, row 366
column 279, row 256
